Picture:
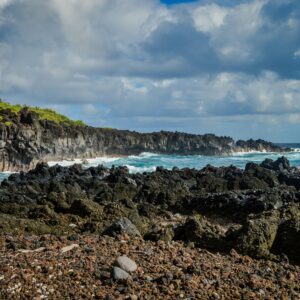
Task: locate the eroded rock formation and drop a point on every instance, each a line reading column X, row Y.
column 255, row 211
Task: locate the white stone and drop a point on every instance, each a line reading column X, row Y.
column 126, row 263
column 119, row 274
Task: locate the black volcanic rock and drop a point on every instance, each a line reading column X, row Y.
column 123, row 225
column 280, row 164
column 259, row 145
column 256, row 210
column 28, row 117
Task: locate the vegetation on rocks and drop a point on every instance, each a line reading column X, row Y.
column 10, row 111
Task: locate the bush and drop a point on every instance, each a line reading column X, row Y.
column 43, row 113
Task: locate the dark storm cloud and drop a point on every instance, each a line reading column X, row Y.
column 278, row 39
column 271, row 46
column 181, row 42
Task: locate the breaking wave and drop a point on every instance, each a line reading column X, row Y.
column 147, row 162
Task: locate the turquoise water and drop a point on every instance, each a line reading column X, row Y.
column 4, row 175
column 147, row 162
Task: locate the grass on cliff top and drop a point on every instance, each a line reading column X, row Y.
column 43, row 113
column 14, row 108
column 51, row 115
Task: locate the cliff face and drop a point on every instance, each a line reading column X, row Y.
column 29, row 140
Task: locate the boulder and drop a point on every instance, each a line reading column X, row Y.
column 157, row 233
column 85, row 208
column 257, row 236
column 122, row 226
column 288, row 240
column 202, row 233
column 281, row 164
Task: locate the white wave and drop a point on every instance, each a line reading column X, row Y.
column 65, row 163
column 243, row 153
column 90, row 161
column 102, row 160
column 143, row 155
column 148, row 154
column 133, row 169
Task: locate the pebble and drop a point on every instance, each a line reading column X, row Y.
column 119, row 274
column 69, row 248
column 126, row 263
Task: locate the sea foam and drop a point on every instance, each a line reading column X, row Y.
column 147, row 162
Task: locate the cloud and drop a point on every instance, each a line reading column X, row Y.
column 209, row 18
column 144, row 65
column 3, row 3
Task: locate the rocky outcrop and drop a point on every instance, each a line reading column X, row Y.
column 256, row 210
column 25, row 140
column 256, row 145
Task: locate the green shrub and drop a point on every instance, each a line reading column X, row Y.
column 14, row 108
column 43, row 113
column 79, row 123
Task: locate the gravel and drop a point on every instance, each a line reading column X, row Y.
column 165, row 271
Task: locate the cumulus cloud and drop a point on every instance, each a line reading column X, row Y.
column 144, row 65
column 209, row 18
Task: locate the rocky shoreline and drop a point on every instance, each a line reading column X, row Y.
column 25, row 140
column 256, row 210
column 182, row 228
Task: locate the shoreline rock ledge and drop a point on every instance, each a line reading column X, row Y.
column 26, row 140
column 255, row 210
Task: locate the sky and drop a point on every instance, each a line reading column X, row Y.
column 229, row 67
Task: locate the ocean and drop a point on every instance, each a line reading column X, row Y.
column 147, row 162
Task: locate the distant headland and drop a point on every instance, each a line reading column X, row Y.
column 29, row 135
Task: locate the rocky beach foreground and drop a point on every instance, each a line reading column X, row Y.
column 192, row 234
column 82, row 267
